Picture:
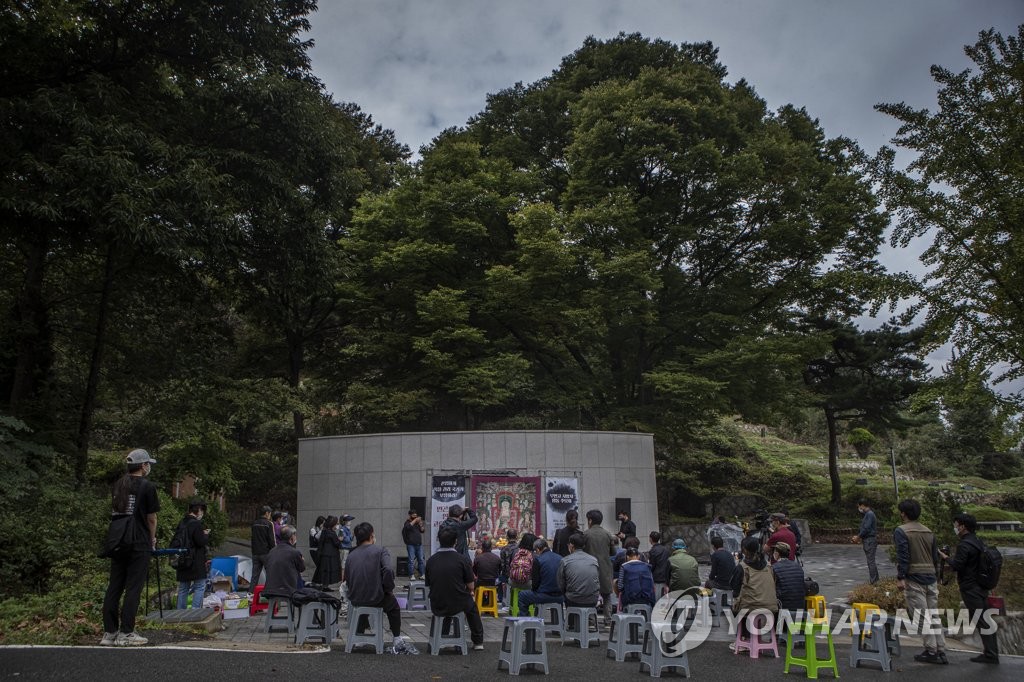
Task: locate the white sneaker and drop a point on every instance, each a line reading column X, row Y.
column 109, row 639
column 130, row 639
column 478, row 647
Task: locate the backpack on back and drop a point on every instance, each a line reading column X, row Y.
column 637, row 584
column 521, row 567
column 990, row 564
column 182, row 540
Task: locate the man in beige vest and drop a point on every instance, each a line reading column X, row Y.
column 917, row 555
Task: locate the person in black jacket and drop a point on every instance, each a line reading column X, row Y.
column 661, row 570
column 263, row 539
column 723, row 566
column 328, row 571
column 965, row 562
column 789, row 579
column 192, row 578
column 562, row 535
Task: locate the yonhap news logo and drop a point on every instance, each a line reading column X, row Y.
column 681, row 621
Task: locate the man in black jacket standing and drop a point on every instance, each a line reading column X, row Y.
column 263, row 540
column 658, row 557
column 965, row 562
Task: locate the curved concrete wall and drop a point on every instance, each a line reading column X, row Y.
column 373, row 476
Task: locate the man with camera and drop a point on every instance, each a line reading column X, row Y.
column 966, row 564
column 461, row 520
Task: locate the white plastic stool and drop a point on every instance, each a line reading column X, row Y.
column 657, row 658
column 580, row 632
column 375, row 618
column 642, row 609
column 316, row 621
column 456, row 638
column 626, row 635
column 522, row 643
column 286, row 620
column 417, row 595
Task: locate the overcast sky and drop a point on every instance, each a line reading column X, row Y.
column 420, row 66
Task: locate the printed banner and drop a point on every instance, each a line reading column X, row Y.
column 504, row 502
column 560, row 496
column 444, row 492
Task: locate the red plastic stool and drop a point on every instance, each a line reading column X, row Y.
column 257, row 604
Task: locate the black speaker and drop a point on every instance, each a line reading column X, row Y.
column 624, row 504
column 420, row 505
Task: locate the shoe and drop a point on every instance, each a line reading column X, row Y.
column 478, row 647
column 109, row 639
column 130, row 639
column 930, row 657
column 941, row 656
column 983, row 658
column 732, row 647
column 403, row 646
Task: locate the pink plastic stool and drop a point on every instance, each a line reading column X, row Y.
column 756, row 621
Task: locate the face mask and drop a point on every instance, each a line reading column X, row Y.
column 956, row 529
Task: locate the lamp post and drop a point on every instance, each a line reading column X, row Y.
column 892, row 460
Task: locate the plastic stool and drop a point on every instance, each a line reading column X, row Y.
column 513, row 602
column 626, row 635
column 654, row 656
column 522, row 643
column 375, row 619
column 487, row 600
column 256, row 604
column 417, row 595
column 641, row 609
column 456, row 638
column 872, row 644
column 275, row 621
column 553, row 614
column 316, row 621
column 817, row 609
column 719, row 602
column 810, row 661
column 758, row 620
column 581, row 632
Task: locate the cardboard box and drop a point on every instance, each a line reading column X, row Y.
column 236, row 603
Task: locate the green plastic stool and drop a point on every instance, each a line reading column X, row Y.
column 810, row 661
column 513, row 603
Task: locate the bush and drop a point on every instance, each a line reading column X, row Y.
column 890, row 598
column 982, row 513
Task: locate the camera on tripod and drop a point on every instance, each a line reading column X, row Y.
column 760, row 519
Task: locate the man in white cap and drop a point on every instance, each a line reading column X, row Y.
column 135, row 501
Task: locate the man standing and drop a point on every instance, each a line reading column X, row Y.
column 544, row 578
column 780, row 533
column 684, row 573
column 371, row 582
column 627, row 529
column 599, row 545
column 262, row 540
column 562, row 535
column 917, row 555
column 135, row 497
column 412, row 536
column 449, row 576
column 578, row 575
column 966, row 563
column 868, row 536
column 658, row 557
column 461, row 520
column 285, row 565
column 192, row 578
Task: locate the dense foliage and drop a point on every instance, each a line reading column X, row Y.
column 207, row 255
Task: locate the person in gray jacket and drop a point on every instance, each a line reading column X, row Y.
column 577, row 575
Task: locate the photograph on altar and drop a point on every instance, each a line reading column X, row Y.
column 504, row 502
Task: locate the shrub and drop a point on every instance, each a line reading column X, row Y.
column 982, row 513
column 890, row 598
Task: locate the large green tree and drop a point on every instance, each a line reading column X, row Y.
column 963, row 190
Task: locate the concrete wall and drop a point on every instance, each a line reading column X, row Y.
column 373, row 476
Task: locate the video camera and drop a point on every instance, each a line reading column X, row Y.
column 760, row 519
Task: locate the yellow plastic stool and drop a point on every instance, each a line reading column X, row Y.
column 487, row 600
column 810, row 661
column 817, row 610
column 862, row 609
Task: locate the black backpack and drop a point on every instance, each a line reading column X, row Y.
column 990, row 564
column 182, row 540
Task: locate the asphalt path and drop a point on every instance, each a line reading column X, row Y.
column 712, row 660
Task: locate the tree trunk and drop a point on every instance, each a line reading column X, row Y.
column 833, row 456
column 31, row 321
column 295, row 363
column 95, row 363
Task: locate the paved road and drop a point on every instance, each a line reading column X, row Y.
column 711, row 660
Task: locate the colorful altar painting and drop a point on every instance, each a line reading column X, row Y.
column 506, row 502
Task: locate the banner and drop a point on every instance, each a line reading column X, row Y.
column 560, row 495
column 506, row 502
column 444, row 492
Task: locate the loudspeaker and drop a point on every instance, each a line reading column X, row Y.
column 420, row 505
column 624, row 504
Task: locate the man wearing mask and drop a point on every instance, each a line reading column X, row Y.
column 868, row 536
column 262, row 540
column 285, row 564
column 965, row 563
column 917, row 555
